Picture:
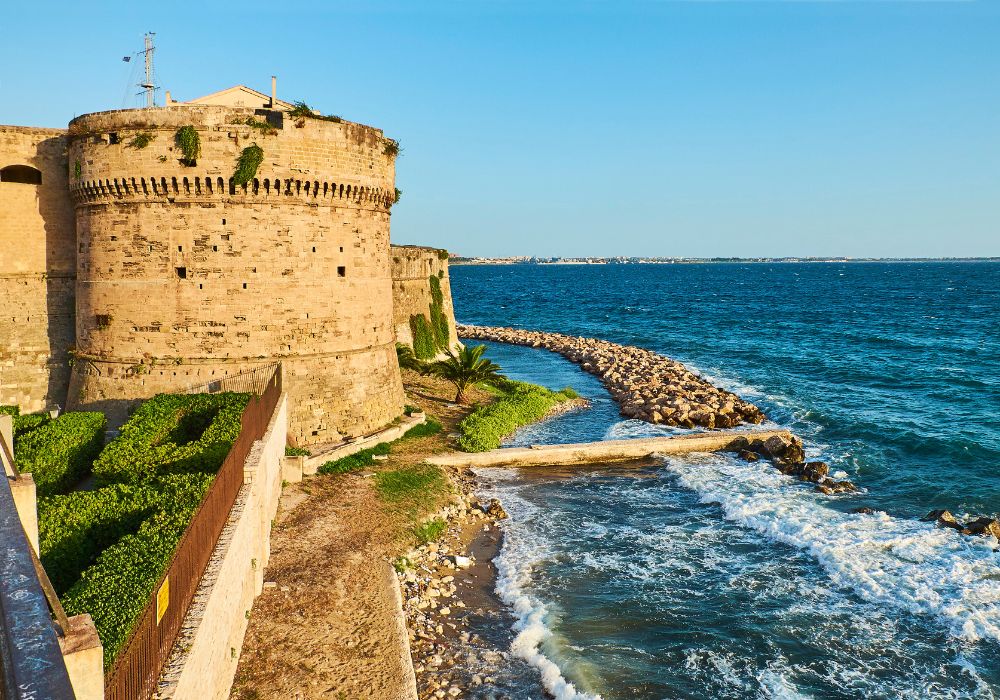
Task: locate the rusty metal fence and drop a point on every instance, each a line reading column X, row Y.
column 136, row 671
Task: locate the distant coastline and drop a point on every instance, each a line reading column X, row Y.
column 622, row 260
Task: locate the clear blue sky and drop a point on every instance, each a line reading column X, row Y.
column 596, row 128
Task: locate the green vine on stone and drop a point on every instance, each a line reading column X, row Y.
column 263, row 127
column 141, row 140
column 246, row 165
column 189, row 142
column 301, row 109
column 77, row 170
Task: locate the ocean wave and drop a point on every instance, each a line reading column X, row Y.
column 517, row 557
column 902, row 563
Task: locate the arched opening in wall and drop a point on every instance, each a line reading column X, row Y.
column 256, row 185
column 267, row 185
column 208, row 184
column 24, row 174
column 232, row 186
column 221, row 185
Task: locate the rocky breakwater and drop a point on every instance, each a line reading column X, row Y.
column 646, row 385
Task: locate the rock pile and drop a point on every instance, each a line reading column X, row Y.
column 446, row 656
column 646, row 385
column 789, row 458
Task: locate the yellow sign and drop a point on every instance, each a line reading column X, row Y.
column 162, row 599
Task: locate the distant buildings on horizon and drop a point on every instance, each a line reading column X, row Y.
column 626, row 260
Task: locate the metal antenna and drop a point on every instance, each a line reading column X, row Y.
column 148, row 86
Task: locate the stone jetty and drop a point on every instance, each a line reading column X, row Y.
column 646, row 385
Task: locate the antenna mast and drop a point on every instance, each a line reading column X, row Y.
column 148, row 86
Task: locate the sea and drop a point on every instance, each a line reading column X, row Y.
column 704, row 576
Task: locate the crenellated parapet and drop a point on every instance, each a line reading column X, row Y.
column 184, row 275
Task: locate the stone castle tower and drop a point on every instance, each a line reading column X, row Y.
column 178, row 276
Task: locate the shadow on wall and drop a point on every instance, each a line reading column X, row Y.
column 58, row 219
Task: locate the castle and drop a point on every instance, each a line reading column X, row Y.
column 136, row 258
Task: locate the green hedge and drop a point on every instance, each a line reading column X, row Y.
column 114, row 590
column 518, row 403
column 9, row 411
column 26, row 423
column 173, row 434
column 74, row 528
column 59, row 453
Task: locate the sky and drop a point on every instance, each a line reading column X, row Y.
column 866, row 128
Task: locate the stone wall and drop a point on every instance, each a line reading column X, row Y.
column 203, row 661
column 184, row 277
column 412, row 268
column 37, row 271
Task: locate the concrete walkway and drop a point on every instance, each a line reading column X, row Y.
column 605, row 451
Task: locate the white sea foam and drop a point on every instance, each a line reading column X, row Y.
column 518, row 556
column 902, row 563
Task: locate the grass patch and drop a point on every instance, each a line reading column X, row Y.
column 430, row 530
column 426, row 429
column 517, row 404
column 358, row 460
column 417, row 484
column 296, row 451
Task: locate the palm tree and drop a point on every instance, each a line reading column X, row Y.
column 466, row 368
column 407, row 360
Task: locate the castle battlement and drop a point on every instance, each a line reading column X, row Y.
column 157, row 271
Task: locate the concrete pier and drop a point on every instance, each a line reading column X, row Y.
column 582, row 453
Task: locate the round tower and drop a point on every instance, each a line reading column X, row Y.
column 185, row 275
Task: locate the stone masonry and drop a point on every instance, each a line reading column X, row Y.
column 37, row 270
column 412, row 268
column 176, row 277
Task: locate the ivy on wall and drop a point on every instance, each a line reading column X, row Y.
column 430, row 336
column 141, row 140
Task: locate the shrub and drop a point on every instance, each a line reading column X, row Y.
column 10, row 411
column 117, row 586
column 301, row 109
column 189, row 142
column 296, row 451
column 59, row 453
column 141, row 140
column 426, row 429
column 358, row 460
column 249, row 160
column 519, row 403
column 424, row 345
column 391, row 148
column 173, row 433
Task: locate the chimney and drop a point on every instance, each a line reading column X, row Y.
column 166, row 98
column 274, row 91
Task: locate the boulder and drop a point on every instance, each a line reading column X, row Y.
column 814, row 471
column 865, row 510
column 748, row 456
column 495, row 510
column 943, row 518
column 984, row 527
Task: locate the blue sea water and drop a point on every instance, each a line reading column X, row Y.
column 709, row 577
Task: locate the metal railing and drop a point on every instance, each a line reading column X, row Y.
column 31, row 661
column 136, row 671
column 250, row 381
